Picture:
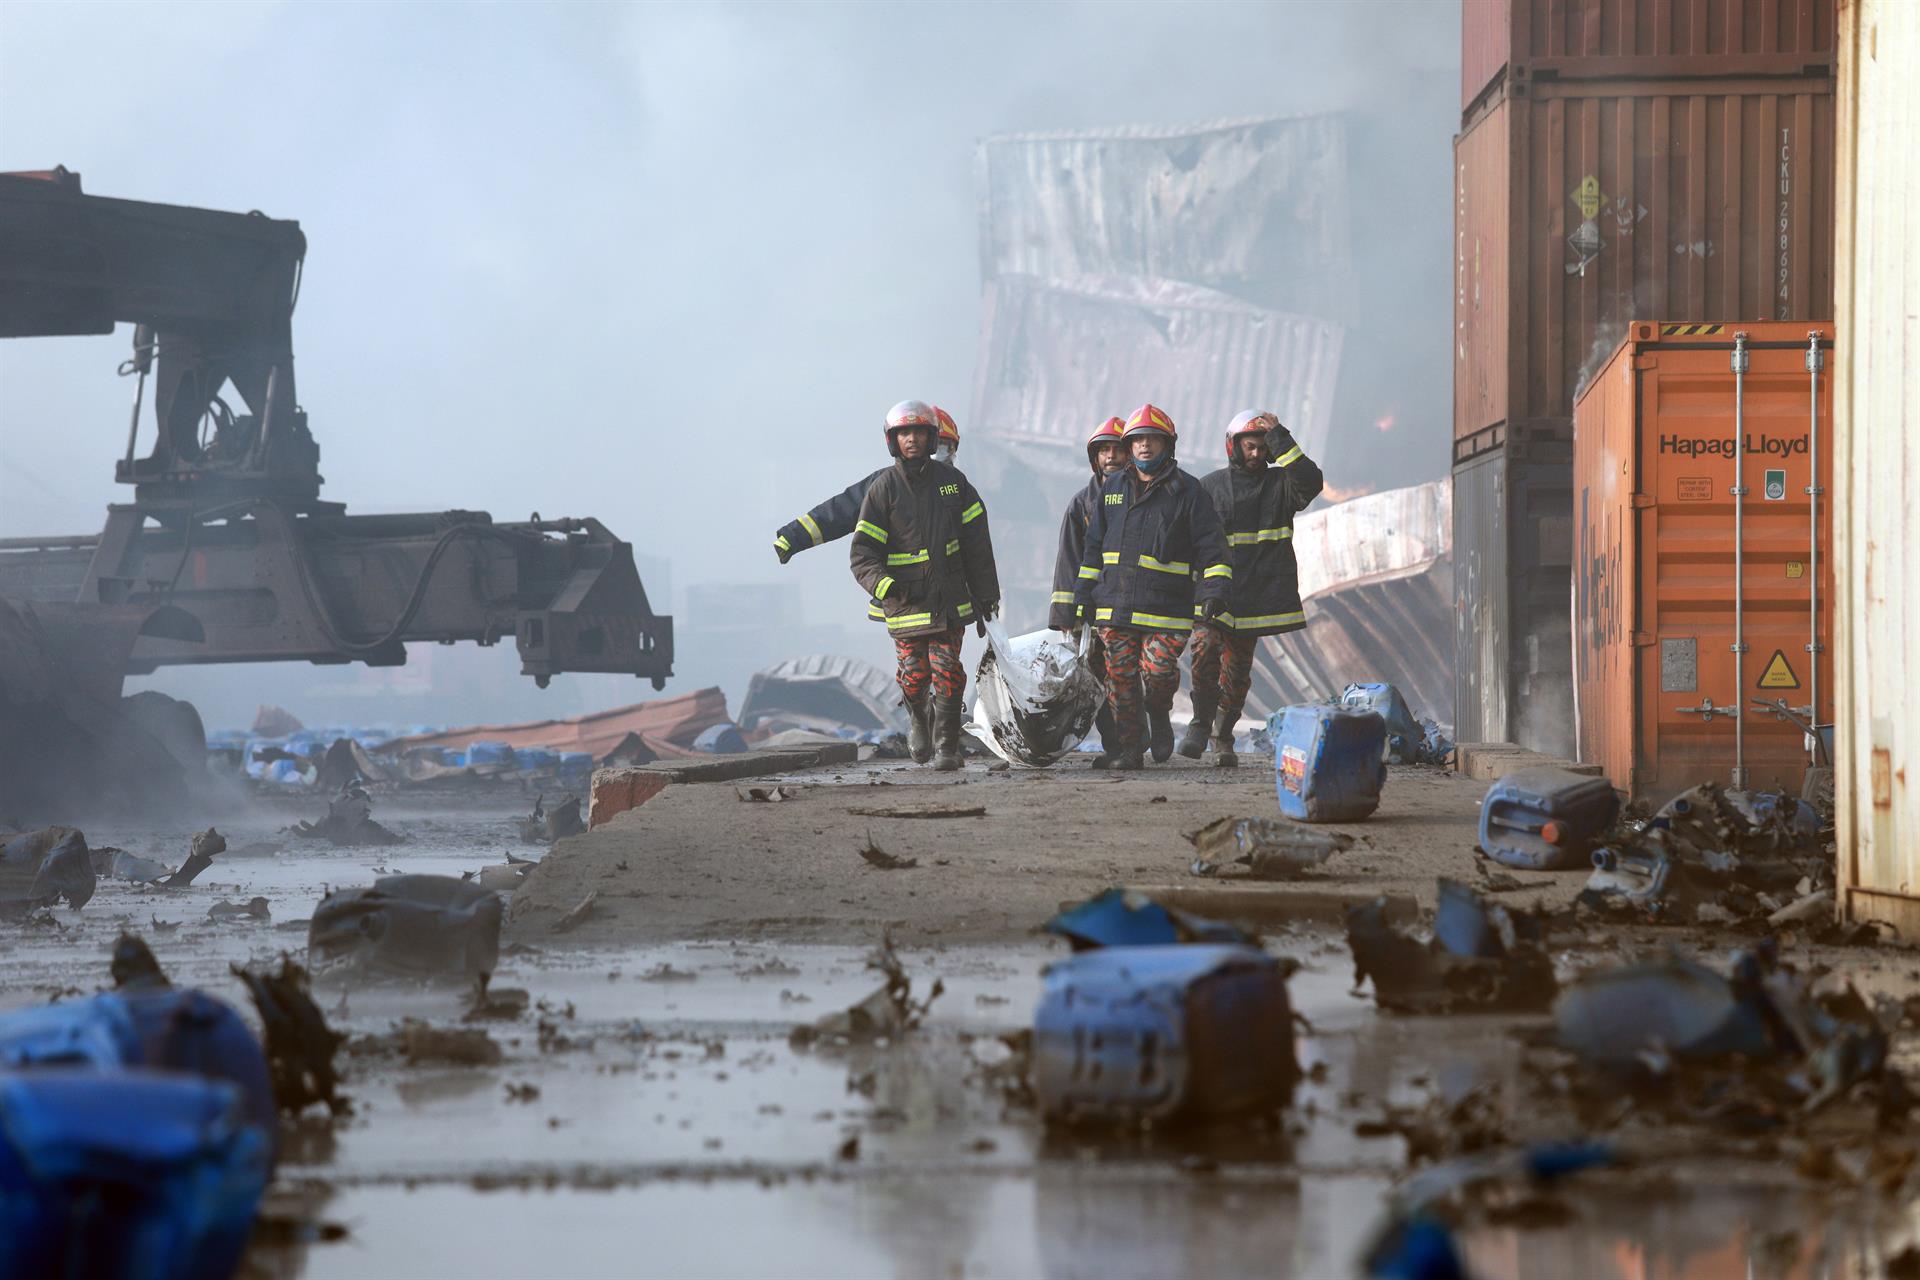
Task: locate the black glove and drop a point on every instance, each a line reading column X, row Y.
column 784, row 553
column 1212, row 609
column 980, row 628
column 992, row 611
column 905, row 590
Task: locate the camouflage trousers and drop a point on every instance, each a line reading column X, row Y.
column 1143, row 670
column 1222, row 670
column 930, row 660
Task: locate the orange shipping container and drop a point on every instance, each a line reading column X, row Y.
column 1659, row 446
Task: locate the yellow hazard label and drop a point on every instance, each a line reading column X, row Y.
column 1779, row 673
column 1588, row 196
column 1795, row 569
column 1691, row 330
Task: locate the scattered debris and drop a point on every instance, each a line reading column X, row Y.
column 544, row 826
column 206, row 846
column 1270, row 849
column 924, row 811
column 407, row 926
column 501, row 877
column 462, row 1046
column 880, row 858
column 1482, row 956
column 1410, row 740
column 491, row 1003
column 1492, row 881
column 251, row 909
column 39, row 868
column 1128, row 918
column 164, row 927
column 300, row 1045
column 133, row 965
column 665, row 972
column 573, row 918
column 767, row 795
column 349, row 822
column 1156, row 1033
column 885, row 1015
column 521, row 1091
column 118, row 864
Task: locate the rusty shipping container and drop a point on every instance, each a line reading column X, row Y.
column 1877, row 467
column 1673, row 566
column 1594, row 188
column 1528, row 41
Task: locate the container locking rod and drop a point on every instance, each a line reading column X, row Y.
column 1815, row 359
column 1741, row 361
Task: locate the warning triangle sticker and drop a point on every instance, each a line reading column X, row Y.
column 1778, row 675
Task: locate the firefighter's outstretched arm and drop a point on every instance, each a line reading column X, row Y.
column 1304, row 480
column 834, row 518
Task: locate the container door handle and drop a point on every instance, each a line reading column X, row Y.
column 1707, row 710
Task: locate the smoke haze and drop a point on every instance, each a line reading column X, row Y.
column 668, row 265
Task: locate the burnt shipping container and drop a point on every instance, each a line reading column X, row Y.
column 1672, row 562
column 1581, row 204
column 1538, row 40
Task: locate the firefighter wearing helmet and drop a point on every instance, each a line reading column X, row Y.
column 1266, row 482
column 834, row 518
column 921, row 550
column 1155, row 562
column 1107, row 456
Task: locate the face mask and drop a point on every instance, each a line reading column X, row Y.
column 1153, row 468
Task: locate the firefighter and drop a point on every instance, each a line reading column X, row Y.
column 1155, row 560
column 834, row 518
column 1266, row 481
column 921, row 549
column 1107, row 455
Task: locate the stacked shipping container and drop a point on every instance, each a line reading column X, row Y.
column 1617, row 160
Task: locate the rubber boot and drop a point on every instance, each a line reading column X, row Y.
column 1193, row 744
column 1109, row 736
column 946, row 732
column 1130, row 759
column 920, row 730
column 1223, row 753
column 1161, row 741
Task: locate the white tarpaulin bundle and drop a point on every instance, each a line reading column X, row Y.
column 1034, row 697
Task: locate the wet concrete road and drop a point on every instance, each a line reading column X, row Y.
column 670, row 1128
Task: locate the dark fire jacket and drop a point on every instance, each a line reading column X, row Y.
column 1066, row 564
column 1151, row 554
column 1257, row 509
column 921, row 548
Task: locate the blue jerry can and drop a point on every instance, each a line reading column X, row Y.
column 125, row 1175
column 1156, row 1033
column 1404, row 733
column 1328, row 762
column 1545, row 819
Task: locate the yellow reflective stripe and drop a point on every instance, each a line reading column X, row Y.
column 1162, row 566
column 1088, row 571
column 813, row 529
column 1103, row 615
column 1159, row 620
column 881, row 588
column 780, row 541
column 1063, row 597
column 906, row 557
column 964, row 608
column 875, row 611
column 1110, row 557
column 873, row 531
column 1266, row 620
column 972, row 513
column 906, row 620
column 1288, row 458
column 953, row 548
column 1263, row 535
column 1218, row 571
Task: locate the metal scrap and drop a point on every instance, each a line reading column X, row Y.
column 888, row 1013
column 923, row 811
column 1269, row 848
column 882, row 860
column 300, row 1045
column 39, row 868
column 1481, row 956
column 1128, row 918
column 407, row 926
column 349, row 822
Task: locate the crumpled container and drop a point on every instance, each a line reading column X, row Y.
column 416, row 926
column 1035, row 697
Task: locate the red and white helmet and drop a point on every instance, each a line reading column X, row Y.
column 909, row 413
column 1149, row 419
column 1112, row 431
column 1254, row 422
column 949, row 429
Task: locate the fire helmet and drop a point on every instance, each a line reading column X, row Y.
column 949, row 429
column 1254, row 422
column 909, row 413
column 1148, row 419
column 1112, row 431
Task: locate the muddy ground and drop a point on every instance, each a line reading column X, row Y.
column 649, row 1115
